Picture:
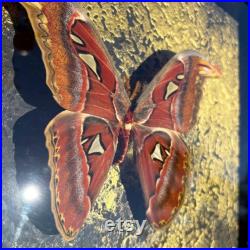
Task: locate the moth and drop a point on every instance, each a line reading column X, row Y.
column 82, row 141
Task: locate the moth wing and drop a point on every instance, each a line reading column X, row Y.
column 162, row 164
column 79, row 71
column 81, row 149
column 172, row 99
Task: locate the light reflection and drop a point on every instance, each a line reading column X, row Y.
column 23, row 52
column 30, row 193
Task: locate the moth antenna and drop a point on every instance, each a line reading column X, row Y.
column 127, row 84
column 136, row 91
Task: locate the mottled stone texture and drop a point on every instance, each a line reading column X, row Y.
column 133, row 32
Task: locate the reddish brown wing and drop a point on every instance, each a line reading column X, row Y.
column 161, row 158
column 81, row 150
column 79, row 71
column 168, row 106
column 171, row 100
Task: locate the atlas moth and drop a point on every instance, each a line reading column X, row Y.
column 82, row 140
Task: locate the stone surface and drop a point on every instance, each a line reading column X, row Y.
column 132, row 33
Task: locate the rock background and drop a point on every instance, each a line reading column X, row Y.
column 133, row 33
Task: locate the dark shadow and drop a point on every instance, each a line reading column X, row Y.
column 24, row 39
column 31, row 156
column 149, row 68
column 129, row 176
column 239, row 11
column 130, row 181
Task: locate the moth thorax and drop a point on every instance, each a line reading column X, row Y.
column 128, row 121
column 128, row 126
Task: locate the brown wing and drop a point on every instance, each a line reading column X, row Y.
column 162, row 161
column 172, row 99
column 81, row 150
column 79, row 70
